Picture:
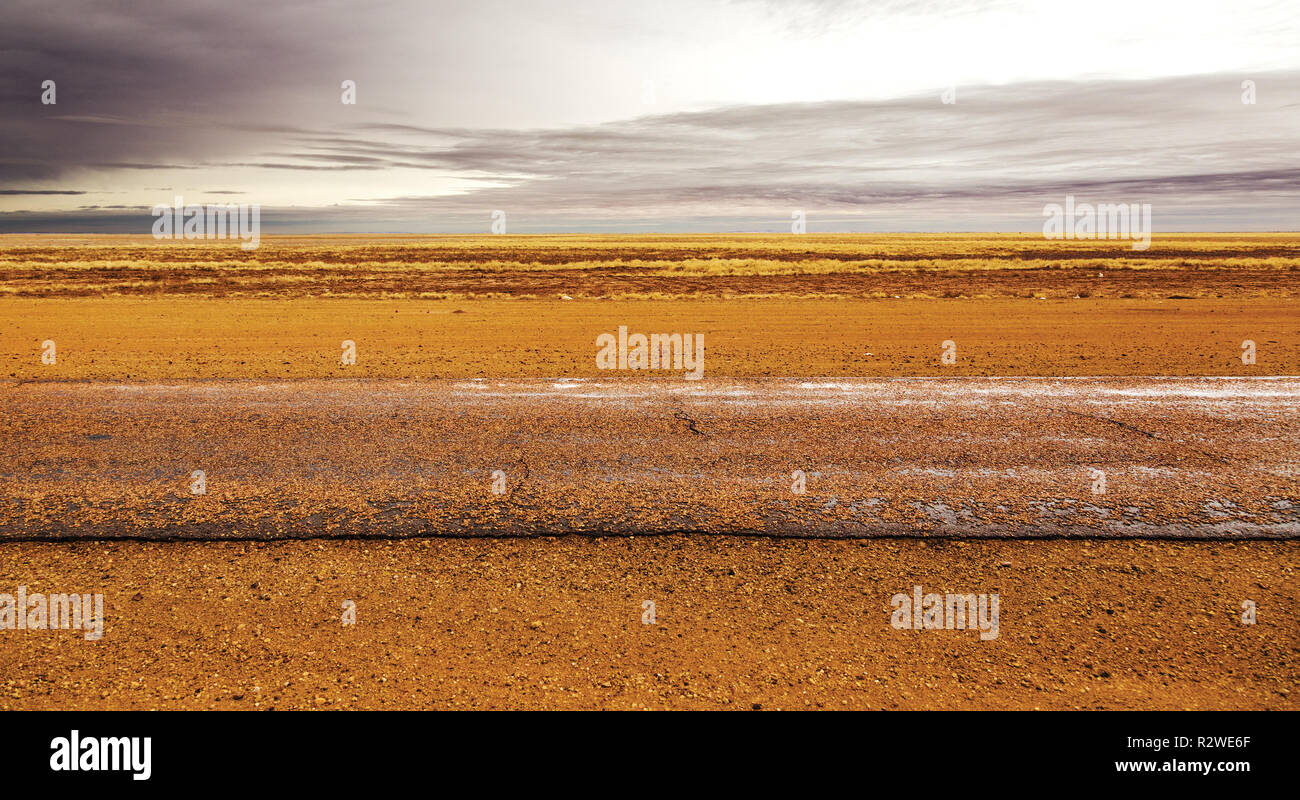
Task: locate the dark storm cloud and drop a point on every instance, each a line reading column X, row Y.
column 149, row 82
column 15, row 192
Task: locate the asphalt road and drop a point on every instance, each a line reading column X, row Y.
column 963, row 457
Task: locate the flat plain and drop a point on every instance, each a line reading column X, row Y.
column 824, row 354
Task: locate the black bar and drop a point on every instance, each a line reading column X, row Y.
column 300, row 750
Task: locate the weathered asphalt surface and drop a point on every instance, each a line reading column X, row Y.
column 963, row 457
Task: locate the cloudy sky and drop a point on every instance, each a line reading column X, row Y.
column 627, row 115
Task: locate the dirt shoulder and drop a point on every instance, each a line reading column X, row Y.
column 739, row 623
column 167, row 338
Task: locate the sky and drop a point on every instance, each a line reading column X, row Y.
column 635, row 116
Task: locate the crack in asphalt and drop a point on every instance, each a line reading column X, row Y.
column 690, row 423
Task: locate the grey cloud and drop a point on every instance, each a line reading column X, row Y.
column 1187, row 140
column 1187, row 145
column 157, row 81
column 39, row 191
column 212, row 84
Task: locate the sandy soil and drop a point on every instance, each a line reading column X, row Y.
column 200, row 338
column 740, row 623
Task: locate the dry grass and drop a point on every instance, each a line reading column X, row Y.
column 653, row 266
